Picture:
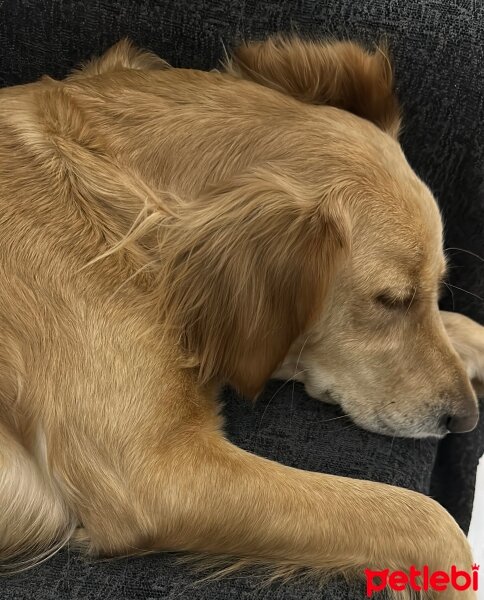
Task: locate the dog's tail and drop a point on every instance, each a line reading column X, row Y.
column 343, row 74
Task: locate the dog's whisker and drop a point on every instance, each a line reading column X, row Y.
column 391, row 445
column 273, row 396
column 294, row 376
column 411, row 301
column 335, row 418
column 456, row 287
column 226, row 54
column 350, row 426
column 452, row 294
column 467, row 252
column 300, row 353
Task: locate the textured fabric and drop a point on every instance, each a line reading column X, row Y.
column 439, row 56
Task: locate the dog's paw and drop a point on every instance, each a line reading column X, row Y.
column 467, row 337
column 447, row 550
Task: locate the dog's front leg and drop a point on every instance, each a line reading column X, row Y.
column 209, row 496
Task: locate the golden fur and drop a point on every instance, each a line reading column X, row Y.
column 163, row 231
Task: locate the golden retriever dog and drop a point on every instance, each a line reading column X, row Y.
column 165, row 231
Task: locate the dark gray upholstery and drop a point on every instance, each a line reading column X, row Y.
column 438, row 48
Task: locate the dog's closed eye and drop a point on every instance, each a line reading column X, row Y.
column 390, row 301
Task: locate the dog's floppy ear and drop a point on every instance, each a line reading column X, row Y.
column 245, row 271
column 340, row 74
column 123, row 55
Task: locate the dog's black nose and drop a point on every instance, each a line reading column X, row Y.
column 461, row 423
column 463, row 410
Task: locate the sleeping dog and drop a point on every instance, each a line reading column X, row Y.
column 166, row 231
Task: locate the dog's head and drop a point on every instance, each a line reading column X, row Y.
column 380, row 348
column 332, row 258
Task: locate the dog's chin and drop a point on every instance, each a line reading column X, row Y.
column 376, row 423
column 373, row 420
column 382, row 428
